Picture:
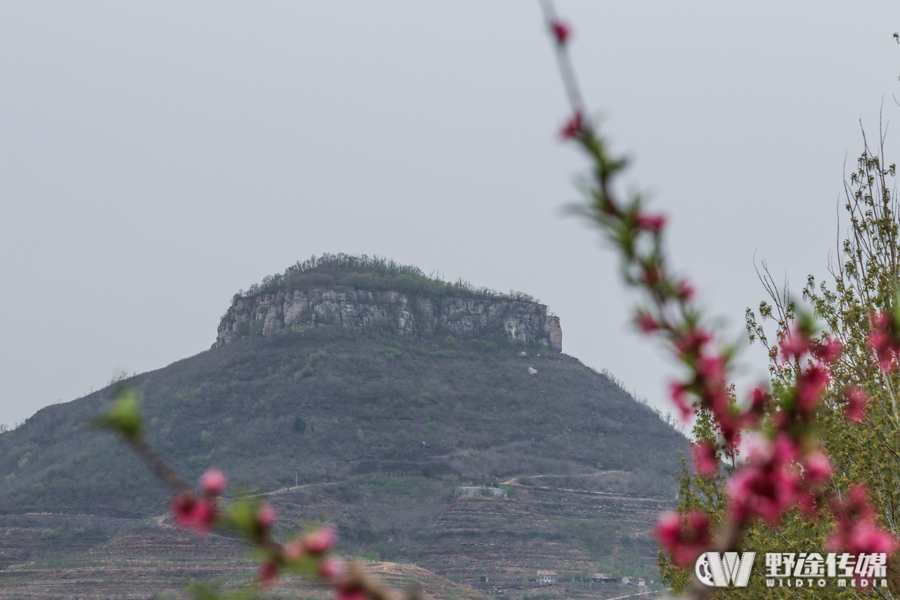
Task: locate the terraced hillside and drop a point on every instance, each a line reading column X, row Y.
column 154, row 561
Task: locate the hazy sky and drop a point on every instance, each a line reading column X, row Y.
column 155, row 157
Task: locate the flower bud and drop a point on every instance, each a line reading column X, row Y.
column 294, row 550
column 857, row 400
column 191, row 512
column 572, row 128
column 331, row 568
column 561, row 30
column 265, row 517
column 319, row 541
column 705, row 461
column 651, row 223
column 213, row 482
column 817, row 468
column 268, row 572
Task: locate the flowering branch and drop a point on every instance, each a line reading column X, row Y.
column 787, row 468
column 203, row 510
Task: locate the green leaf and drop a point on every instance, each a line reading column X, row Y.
column 124, row 416
column 241, row 516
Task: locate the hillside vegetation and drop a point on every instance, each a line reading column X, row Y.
column 370, row 273
column 317, row 408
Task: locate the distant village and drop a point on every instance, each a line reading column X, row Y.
column 547, row 577
column 550, row 578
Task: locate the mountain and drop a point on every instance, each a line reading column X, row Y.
column 431, row 422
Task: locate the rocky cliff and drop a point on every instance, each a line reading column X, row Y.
column 404, row 313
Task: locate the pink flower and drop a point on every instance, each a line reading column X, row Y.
column 794, row 344
column 882, row 320
column 204, row 516
column 881, row 345
column 683, row 537
column 729, row 424
column 713, row 391
column 213, row 482
column 766, row 487
column 855, row 530
column 573, row 127
column 349, row 591
column 711, row 368
column 828, row 350
column 883, row 340
column 679, row 397
column 194, row 513
column 856, row 507
column 817, row 468
column 319, row 541
column 652, row 223
column 331, row 568
column 691, row 342
column 561, row 30
column 265, row 517
column 810, row 385
column 857, row 401
column 183, row 506
column 784, row 448
column 759, row 399
column 760, row 492
column 268, row 571
column 684, row 291
column 294, row 550
column 867, row 538
column 705, row 461
column 647, row 323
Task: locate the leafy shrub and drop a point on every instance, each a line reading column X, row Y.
column 372, row 274
column 300, row 425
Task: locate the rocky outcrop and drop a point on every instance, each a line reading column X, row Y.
column 404, row 314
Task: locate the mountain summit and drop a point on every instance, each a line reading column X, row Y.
column 358, row 292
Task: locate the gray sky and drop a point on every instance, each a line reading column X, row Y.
column 155, row 157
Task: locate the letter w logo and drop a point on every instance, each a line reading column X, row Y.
column 721, row 570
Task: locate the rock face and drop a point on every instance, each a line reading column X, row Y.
column 405, row 314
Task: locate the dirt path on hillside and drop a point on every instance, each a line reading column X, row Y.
column 294, row 488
